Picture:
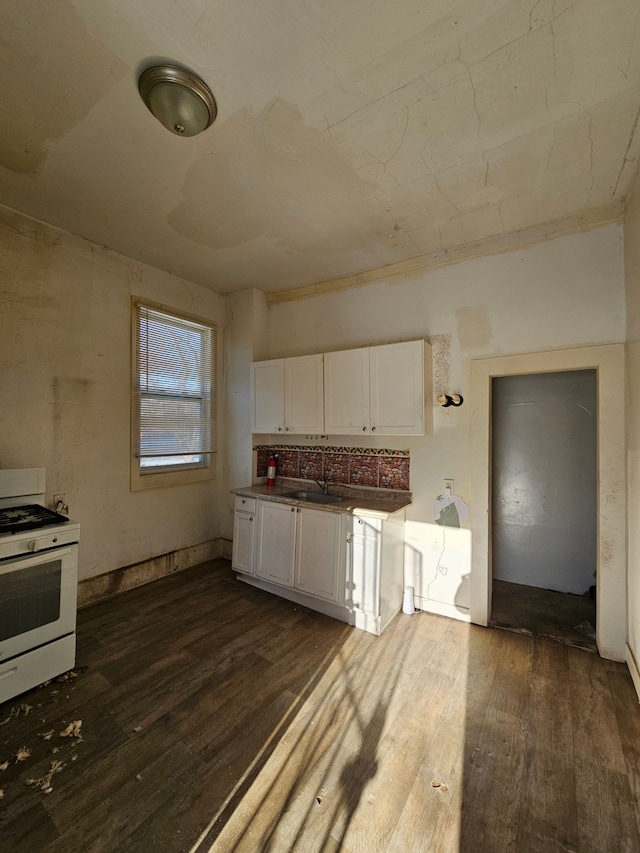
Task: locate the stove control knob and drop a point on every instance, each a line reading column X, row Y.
column 33, row 545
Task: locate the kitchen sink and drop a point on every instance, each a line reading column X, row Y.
column 313, row 497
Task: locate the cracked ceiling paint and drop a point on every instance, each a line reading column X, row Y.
column 350, row 136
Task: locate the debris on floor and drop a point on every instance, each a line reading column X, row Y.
column 15, row 711
column 72, row 730
column 22, row 754
column 44, row 783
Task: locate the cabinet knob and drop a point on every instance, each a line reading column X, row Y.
column 293, row 509
column 279, row 429
column 243, row 501
column 298, row 509
column 364, row 429
column 286, row 429
column 250, row 518
column 373, row 429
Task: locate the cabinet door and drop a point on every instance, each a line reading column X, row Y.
column 346, row 392
column 397, row 388
column 363, row 566
column 304, row 394
column 267, row 396
column 242, row 556
column 318, row 547
column 275, row 542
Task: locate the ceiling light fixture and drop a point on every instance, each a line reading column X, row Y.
column 178, row 98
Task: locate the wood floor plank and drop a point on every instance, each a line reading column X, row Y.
column 116, row 818
column 548, row 811
column 205, row 806
column 624, row 697
column 596, row 733
column 32, row 830
column 217, row 717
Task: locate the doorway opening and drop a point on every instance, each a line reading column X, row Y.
column 608, row 361
column 544, row 505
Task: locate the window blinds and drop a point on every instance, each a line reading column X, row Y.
column 176, row 400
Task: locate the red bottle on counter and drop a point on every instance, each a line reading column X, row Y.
column 271, row 472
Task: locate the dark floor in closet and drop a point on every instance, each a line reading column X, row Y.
column 558, row 616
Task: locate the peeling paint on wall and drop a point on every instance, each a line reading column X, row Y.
column 441, row 360
column 450, row 511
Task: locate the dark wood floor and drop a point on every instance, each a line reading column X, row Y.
column 558, row 616
column 218, row 718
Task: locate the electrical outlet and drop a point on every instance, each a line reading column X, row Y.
column 448, row 486
column 60, row 504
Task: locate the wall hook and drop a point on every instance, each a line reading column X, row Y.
column 446, row 400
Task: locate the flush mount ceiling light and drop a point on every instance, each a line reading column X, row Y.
column 178, row 98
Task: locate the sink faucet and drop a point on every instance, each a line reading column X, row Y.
column 324, row 486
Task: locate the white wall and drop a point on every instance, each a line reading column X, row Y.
column 632, row 281
column 246, row 341
column 564, row 293
column 65, row 344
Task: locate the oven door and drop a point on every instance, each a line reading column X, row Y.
column 38, row 596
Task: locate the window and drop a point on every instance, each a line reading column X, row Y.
column 173, row 423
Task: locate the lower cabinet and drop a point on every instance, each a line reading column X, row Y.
column 243, row 534
column 318, row 552
column 299, row 547
column 275, row 542
column 346, row 566
column 374, row 579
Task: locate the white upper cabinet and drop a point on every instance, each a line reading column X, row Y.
column 346, row 392
column 304, row 394
column 287, row 395
column 397, row 388
column 380, row 390
column 377, row 389
column 267, row 396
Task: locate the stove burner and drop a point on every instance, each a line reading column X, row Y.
column 28, row 517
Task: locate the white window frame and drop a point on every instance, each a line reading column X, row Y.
column 152, row 478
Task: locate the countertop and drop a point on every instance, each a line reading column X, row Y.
column 361, row 501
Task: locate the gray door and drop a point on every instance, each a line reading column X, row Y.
column 544, row 446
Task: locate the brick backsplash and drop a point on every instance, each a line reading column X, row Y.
column 355, row 466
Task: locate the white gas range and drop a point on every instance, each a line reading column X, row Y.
column 38, row 584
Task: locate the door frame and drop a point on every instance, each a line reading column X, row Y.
column 609, row 363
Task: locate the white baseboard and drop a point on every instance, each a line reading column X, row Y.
column 427, row 605
column 109, row 584
column 632, row 663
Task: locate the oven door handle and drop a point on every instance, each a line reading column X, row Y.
column 25, row 561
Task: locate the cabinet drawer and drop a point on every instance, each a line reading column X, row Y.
column 245, row 504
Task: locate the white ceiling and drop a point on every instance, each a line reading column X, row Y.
column 351, row 134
